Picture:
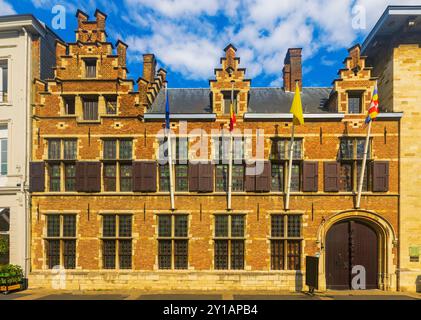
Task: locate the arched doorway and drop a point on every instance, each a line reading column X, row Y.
column 351, row 243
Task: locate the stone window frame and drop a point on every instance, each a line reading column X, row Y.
column 163, row 170
column 282, row 159
column 118, row 162
column 63, row 163
column 283, row 240
column 117, row 239
column 229, row 239
column 173, row 238
column 355, row 161
column 352, row 94
column 6, row 98
column 61, row 238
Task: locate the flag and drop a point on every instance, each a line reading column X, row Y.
column 373, row 111
column 297, row 108
column 167, row 110
column 233, row 119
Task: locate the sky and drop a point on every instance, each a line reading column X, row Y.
column 188, row 37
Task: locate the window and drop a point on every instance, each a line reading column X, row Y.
column 279, row 157
column 238, row 178
column 181, row 169
column 61, row 241
column 3, row 149
column 90, row 68
column 116, row 241
column 164, row 178
column 354, row 102
column 227, row 102
column 229, row 241
column 181, row 177
column 221, row 149
column 62, row 156
column 90, row 108
column 351, row 153
column 4, row 81
column 69, row 105
column 111, row 104
column 173, row 241
column 221, row 178
column 285, row 242
column 4, row 235
column 118, row 168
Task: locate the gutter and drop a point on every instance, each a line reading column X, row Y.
column 184, row 116
column 278, row 116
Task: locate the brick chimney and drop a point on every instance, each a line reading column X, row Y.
column 293, row 69
column 149, row 67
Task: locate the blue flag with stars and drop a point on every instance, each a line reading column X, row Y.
column 167, row 110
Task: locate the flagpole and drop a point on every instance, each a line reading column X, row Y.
column 291, row 153
column 360, row 185
column 230, row 153
column 170, row 162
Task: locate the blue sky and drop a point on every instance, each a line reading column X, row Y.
column 188, row 36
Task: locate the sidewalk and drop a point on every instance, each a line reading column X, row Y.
column 33, row 294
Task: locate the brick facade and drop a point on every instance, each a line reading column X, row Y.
column 318, row 210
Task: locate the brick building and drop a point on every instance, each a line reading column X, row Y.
column 100, row 202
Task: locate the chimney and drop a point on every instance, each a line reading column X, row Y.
column 149, row 66
column 355, row 54
column 292, row 71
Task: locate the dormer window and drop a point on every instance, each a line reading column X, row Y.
column 355, row 102
column 227, row 102
column 90, row 68
column 69, row 105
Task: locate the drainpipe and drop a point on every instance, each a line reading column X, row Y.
column 24, row 188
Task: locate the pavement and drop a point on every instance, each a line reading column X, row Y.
column 32, row 294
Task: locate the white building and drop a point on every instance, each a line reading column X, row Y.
column 27, row 51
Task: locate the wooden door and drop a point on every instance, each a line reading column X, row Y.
column 348, row 244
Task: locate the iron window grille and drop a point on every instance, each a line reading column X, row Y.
column 285, row 241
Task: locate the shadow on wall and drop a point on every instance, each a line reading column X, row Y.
column 299, row 282
column 418, row 284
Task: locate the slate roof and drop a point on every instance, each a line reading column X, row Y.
column 261, row 100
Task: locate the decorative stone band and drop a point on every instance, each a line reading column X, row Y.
column 181, row 116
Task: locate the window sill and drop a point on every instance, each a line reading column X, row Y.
column 90, row 121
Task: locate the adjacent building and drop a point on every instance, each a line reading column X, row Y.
column 393, row 49
column 26, row 52
column 100, row 206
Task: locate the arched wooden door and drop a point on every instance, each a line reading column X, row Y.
column 351, row 243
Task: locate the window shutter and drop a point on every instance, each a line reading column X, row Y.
column 263, row 181
column 381, row 176
column 331, row 176
column 137, row 176
column 93, row 177
column 148, row 176
column 250, row 178
column 310, row 176
column 193, row 177
column 206, row 177
column 37, row 177
column 80, row 176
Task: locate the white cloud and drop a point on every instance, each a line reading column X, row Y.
column 188, row 36
column 6, row 8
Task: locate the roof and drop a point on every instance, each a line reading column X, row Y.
column 394, row 20
column 17, row 21
column 261, row 100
